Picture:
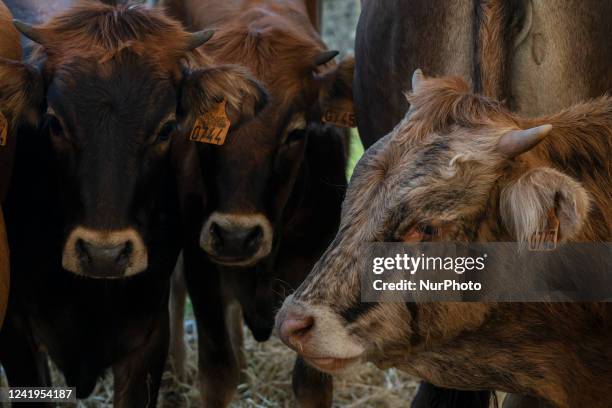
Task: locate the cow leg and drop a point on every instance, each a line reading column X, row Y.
column 218, row 367
column 430, row 396
column 312, row 388
column 235, row 324
column 138, row 376
column 23, row 364
column 178, row 297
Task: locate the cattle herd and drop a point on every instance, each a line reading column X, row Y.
column 200, row 147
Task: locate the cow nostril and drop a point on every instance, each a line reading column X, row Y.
column 253, row 239
column 216, row 235
column 295, row 328
column 81, row 250
column 124, row 255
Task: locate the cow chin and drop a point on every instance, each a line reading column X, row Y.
column 113, row 254
column 318, row 335
column 239, row 240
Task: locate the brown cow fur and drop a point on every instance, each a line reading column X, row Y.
column 4, row 269
column 10, row 48
column 441, row 166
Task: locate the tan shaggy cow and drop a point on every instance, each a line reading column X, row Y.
column 460, row 168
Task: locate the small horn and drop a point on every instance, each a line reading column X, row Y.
column 29, row 31
column 520, row 141
column 417, row 78
column 199, row 38
column 325, row 57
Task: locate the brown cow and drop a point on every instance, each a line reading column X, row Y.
column 458, row 168
column 538, row 56
column 11, row 109
column 273, row 190
column 92, row 211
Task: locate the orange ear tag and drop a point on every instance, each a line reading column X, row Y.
column 547, row 239
column 212, row 126
column 342, row 116
column 3, row 130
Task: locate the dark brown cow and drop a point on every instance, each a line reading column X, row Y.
column 9, row 48
column 11, row 110
column 459, row 168
column 92, row 212
column 537, row 56
column 273, row 190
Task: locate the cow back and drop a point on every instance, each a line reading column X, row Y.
column 195, row 14
column 564, row 57
column 395, row 37
column 538, row 57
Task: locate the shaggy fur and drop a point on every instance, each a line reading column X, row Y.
column 440, row 166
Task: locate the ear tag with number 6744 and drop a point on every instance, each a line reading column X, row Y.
column 211, row 127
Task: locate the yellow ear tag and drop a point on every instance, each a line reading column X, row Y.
column 547, row 239
column 3, row 130
column 212, row 126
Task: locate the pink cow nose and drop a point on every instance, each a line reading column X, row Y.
column 294, row 329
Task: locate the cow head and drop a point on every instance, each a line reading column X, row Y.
column 458, row 168
column 257, row 167
column 120, row 84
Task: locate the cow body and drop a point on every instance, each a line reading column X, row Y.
column 462, row 160
column 95, row 195
column 272, row 192
column 538, row 57
column 10, row 112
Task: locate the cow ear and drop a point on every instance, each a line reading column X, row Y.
column 542, row 197
column 336, row 95
column 21, row 93
column 203, row 90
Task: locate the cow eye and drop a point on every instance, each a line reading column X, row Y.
column 420, row 233
column 427, row 231
column 166, row 131
column 295, row 136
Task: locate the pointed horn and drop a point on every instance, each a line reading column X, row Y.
column 199, row 38
column 417, row 78
column 325, row 57
column 29, row 31
column 520, row 141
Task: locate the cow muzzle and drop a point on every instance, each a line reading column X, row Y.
column 104, row 254
column 318, row 335
column 236, row 240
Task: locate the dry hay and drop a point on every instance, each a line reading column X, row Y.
column 267, row 382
